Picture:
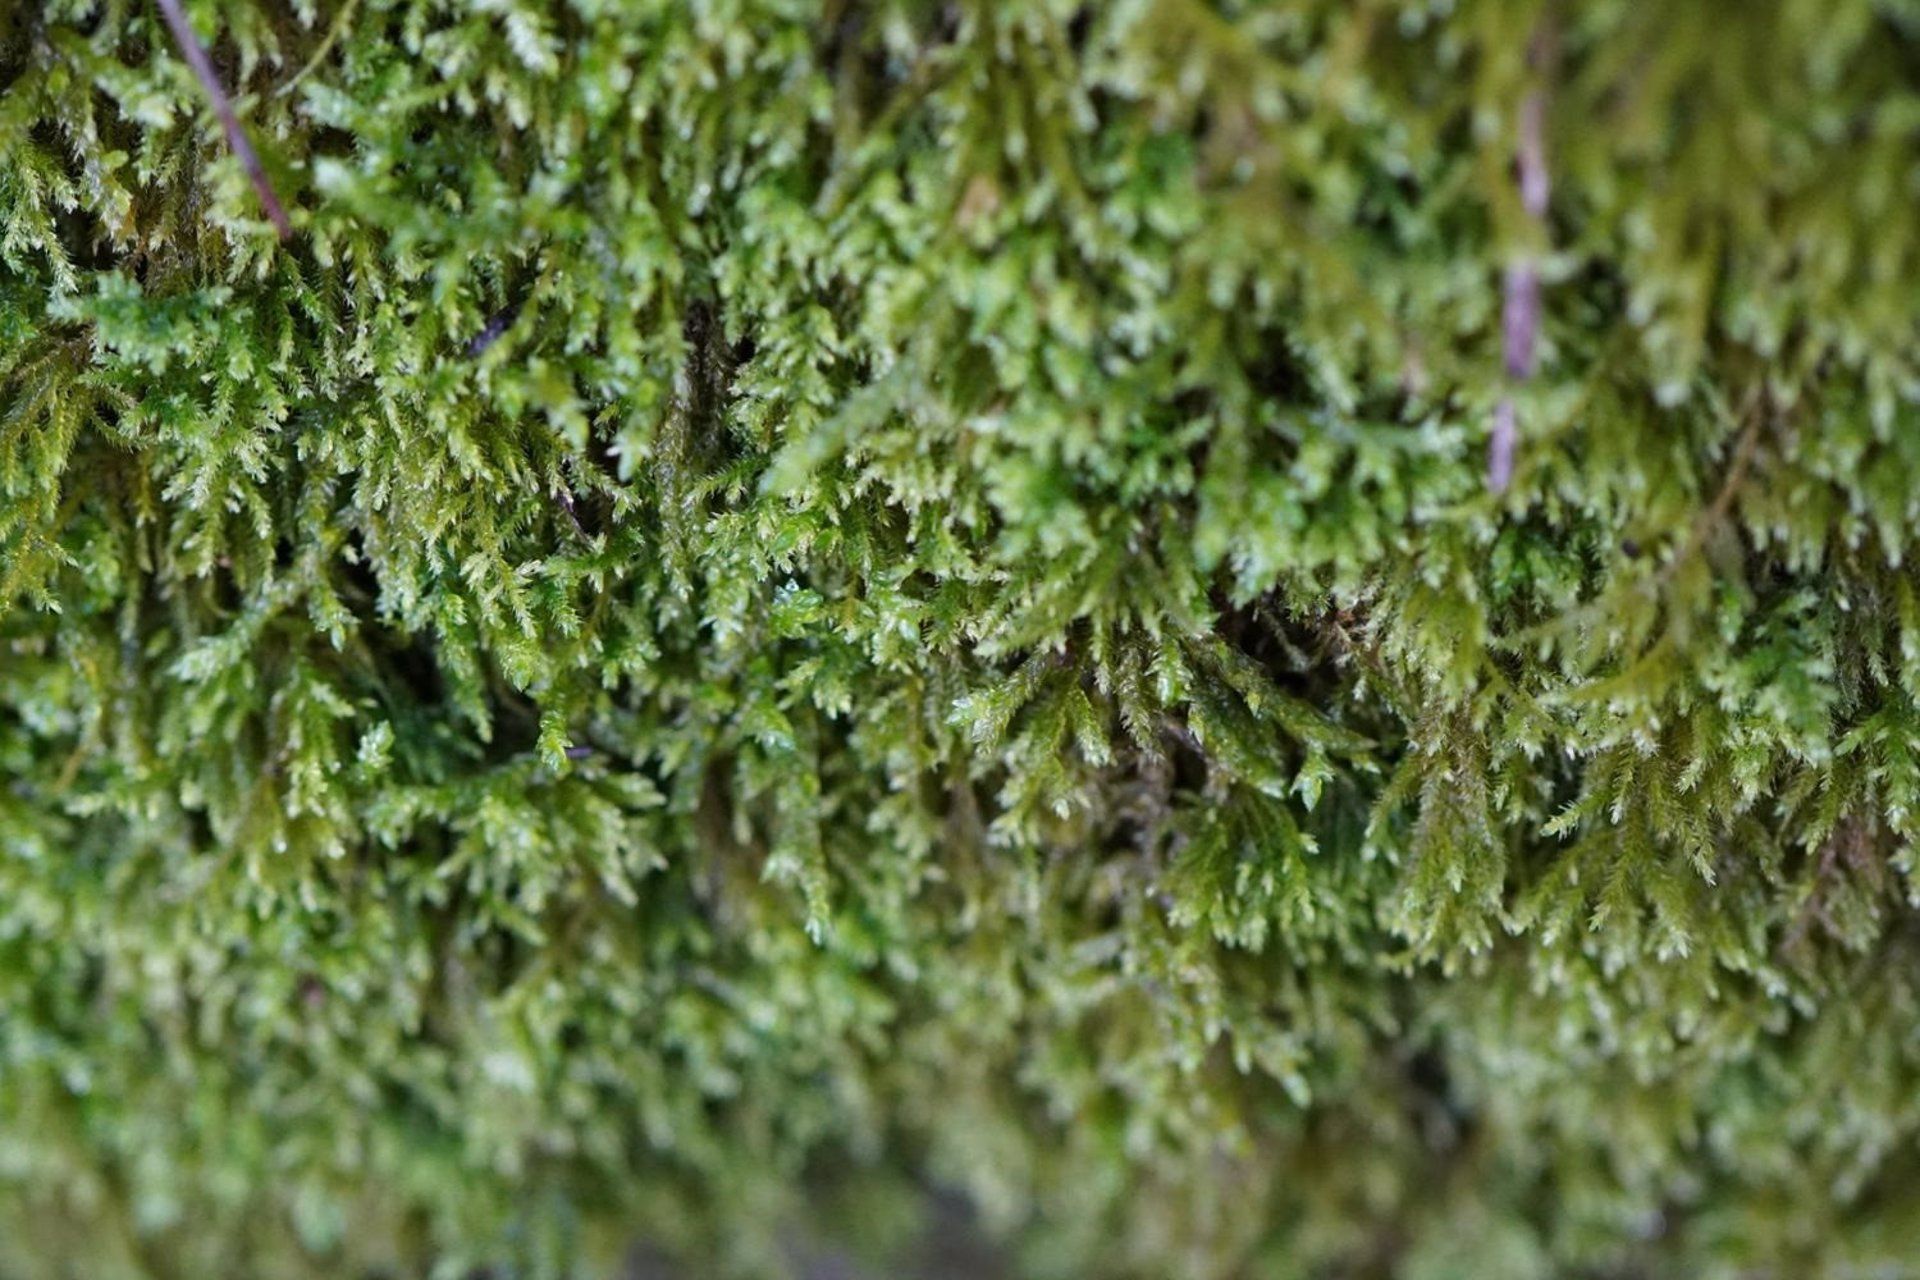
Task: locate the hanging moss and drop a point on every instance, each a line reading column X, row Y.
column 1264, row 639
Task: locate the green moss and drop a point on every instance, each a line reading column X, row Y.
column 770, row 606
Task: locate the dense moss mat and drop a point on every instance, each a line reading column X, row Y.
column 772, row 613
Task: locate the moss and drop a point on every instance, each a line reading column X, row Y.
column 770, row 612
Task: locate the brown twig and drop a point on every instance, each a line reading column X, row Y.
column 1520, row 313
column 1856, row 840
column 334, row 33
column 1756, row 413
column 196, row 56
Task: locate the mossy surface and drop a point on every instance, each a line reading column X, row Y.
column 772, row 613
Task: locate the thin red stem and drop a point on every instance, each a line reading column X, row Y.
column 196, row 56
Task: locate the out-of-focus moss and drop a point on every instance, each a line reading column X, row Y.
column 773, row 606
